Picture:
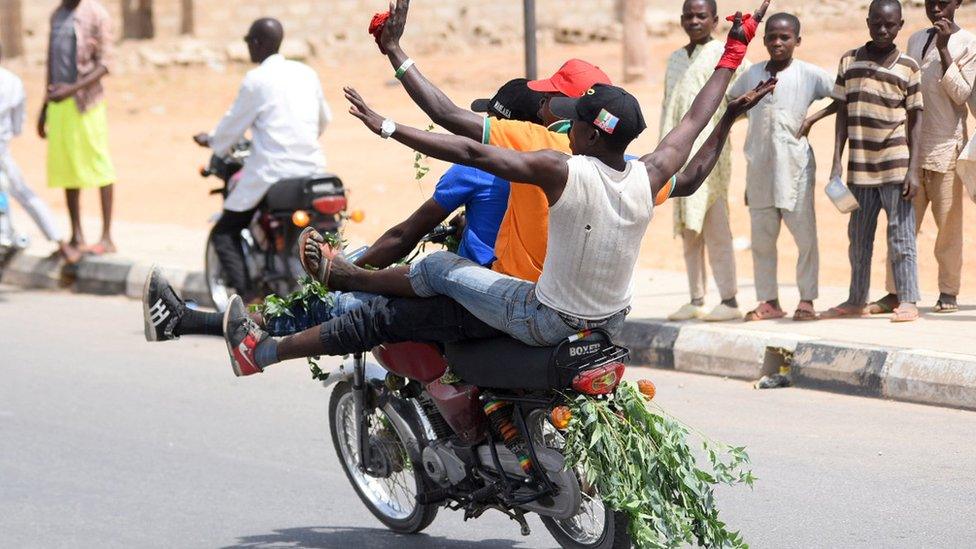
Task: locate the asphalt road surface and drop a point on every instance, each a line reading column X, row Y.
column 107, row 441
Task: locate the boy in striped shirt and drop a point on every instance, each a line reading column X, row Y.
column 880, row 91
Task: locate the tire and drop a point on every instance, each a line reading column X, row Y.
column 614, row 536
column 401, row 522
column 612, row 530
column 213, row 275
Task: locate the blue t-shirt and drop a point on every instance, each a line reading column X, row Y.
column 485, row 199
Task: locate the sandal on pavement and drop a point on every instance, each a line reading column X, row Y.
column 765, row 311
column 883, row 306
column 905, row 313
column 942, row 307
column 844, row 311
column 805, row 313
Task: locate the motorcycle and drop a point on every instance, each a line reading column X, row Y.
column 11, row 242
column 270, row 243
column 467, row 427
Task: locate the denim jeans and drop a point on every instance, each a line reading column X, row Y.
column 399, row 319
column 503, row 302
column 315, row 312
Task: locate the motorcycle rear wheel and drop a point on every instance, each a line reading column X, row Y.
column 392, row 500
column 596, row 526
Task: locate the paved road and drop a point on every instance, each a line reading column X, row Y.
column 106, row 441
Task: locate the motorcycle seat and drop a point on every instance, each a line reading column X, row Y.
column 506, row 363
column 289, row 195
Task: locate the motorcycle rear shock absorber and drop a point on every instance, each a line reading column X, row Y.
column 500, row 417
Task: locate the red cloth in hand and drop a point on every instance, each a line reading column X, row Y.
column 376, row 28
column 735, row 48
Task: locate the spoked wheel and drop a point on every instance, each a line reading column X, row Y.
column 390, row 489
column 596, row 526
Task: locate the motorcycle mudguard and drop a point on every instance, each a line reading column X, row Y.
column 374, row 373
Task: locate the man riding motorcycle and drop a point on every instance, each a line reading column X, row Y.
column 282, row 104
column 484, row 198
column 606, row 119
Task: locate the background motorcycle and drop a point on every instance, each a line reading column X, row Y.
column 412, row 441
column 271, row 241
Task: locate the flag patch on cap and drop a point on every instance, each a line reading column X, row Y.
column 606, row 121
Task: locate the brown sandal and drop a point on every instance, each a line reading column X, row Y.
column 764, row 311
column 326, row 254
column 805, row 313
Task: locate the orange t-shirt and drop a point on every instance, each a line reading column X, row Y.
column 520, row 248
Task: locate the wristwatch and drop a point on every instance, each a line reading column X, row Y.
column 388, row 128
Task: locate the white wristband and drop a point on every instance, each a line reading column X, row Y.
column 403, row 68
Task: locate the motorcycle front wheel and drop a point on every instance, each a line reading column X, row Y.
column 390, row 496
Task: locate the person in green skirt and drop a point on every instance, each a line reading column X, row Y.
column 73, row 118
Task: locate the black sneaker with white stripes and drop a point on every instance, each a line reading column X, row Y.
column 162, row 309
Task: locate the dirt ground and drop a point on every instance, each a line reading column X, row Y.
column 153, row 115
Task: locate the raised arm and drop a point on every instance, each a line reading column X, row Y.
column 434, row 102
column 692, row 177
column 673, row 151
column 545, row 169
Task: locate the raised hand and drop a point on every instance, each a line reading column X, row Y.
column 944, row 29
column 361, row 110
column 744, row 26
column 750, row 99
column 393, row 28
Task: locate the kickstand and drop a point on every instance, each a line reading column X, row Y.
column 519, row 517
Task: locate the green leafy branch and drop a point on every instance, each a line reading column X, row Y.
column 420, row 166
column 642, row 465
column 309, row 290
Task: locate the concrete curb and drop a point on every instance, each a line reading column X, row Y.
column 100, row 276
column 921, row 376
column 924, row 377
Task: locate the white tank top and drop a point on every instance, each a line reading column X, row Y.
column 595, row 232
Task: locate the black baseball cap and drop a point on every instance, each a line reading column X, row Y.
column 514, row 101
column 611, row 109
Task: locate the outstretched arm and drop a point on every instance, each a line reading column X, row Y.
column 434, row 102
column 674, row 149
column 692, row 177
column 397, row 242
column 545, row 169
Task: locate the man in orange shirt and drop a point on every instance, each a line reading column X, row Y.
column 520, row 248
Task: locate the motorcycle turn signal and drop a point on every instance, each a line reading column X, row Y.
column 560, row 416
column 300, row 219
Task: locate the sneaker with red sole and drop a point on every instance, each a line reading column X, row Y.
column 243, row 336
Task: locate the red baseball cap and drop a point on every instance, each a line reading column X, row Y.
column 572, row 79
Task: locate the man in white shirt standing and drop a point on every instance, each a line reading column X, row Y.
column 13, row 102
column 281, row 102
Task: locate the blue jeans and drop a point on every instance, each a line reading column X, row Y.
column 503, row 302
column 315, row 312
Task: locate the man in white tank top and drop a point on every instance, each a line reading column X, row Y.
column 600, row 205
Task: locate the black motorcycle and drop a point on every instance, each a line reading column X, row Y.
column 270, row 243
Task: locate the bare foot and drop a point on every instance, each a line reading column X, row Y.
column 71, row 254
